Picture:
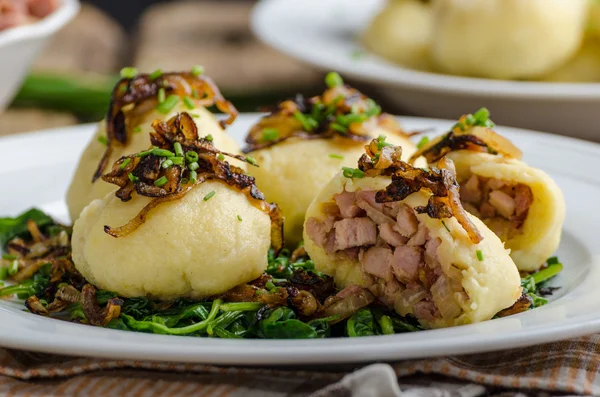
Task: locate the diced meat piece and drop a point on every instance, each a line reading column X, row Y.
column 406, row 263
column 391, row 209
column 431, row 248
column 354, row 232
column 495, row 184
column 330, row 243
column 523, row 199
column 419, row 238
column 377, row 261
column 390, row 236
column 407, row 222
column 425, row 310
column 346, row 201
column 390, row 292
column 351, row 253
column 470, row 208
column 331, row 209
column 428, row 275
column 470, row 191
column 317, row 230
column 487, row 210
column 503, row 203
column 373, row 210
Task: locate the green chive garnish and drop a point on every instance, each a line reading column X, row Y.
column 381, row 145
column 197, row 70
column 424, row 141
column 381, row 138
column 338, row 127
column 125, row 163
column 162, row 181
column 195, row 115
column 128, row 72
column 479, row 255
column 220, row 157
column 156, row 74
column 168, row 104
column 162, row 95
column 13, row 268
column 137, row 129
column 9, row 257
column 176, row 160
column 209, row 196
column 353, row 172
column 333, row 79
column 209, row 137
column 251, row 160
column 191, row 156
column 308, row 123
column 178, row 149
column 189, row 103
column 270, row 134
column 3, row 273
column 239, row 218
column 193, row 177
column 103, row 140
column 162, row 152
column 336, row 156
column 133, row 178
column 193, row 166
column 444, row 223
column 552, row 260
column 167, row 163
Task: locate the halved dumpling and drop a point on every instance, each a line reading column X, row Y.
column 368, row 231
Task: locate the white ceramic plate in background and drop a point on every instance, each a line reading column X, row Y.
column 36, row 170
column 324, row 33
column 20, row 45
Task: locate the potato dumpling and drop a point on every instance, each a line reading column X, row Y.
column 506, row 39
column 189, row 247
column 401, row 32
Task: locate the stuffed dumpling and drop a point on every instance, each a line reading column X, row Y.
column 520, row 203
column 306, row 141
column 136, row 102
column 183, row 223
column 401, row 232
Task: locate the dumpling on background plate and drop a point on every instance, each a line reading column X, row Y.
column 520, row 203
column 306, row 141
column 401, row 232
column 183, row 222
column 137, row 101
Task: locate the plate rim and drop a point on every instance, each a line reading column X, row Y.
column 389, row 73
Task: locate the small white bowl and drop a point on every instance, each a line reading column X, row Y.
column 20, row 45
column 324, row 33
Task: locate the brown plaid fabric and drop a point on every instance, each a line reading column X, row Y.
column 544, row 370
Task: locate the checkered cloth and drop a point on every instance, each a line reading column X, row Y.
column 545, row 370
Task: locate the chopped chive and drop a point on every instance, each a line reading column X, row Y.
column 156, row 74
column 209, row 195
column 381, row 145
column 9, row 257
column 13, row 268
column 3, row 273
column 381, row 138
column 191, row 156
column 347, row 119
column 193, row 176
column 137, row 129
column 444, row 223
column 103, row 140
column 125, row 163
column 133, row 178
column 336, row 156
column 128, row 72
column 189, row 103
column 220, row 157
column 162, row 181
column 178, row 149
column 552, row 260
column 239, row 218
column 338, row 127
column 185, row 181
column 176, row 160
column 197, row 70
column 168, row 104
column 193, row 166
column 333, row 79
column 195, row 115
column 470, row 120
column 373, row 109
column 308, row 123
column 270, row 134
column 162, row 152
column 146, row 152
column 23, row 295
column 424, row 141
column 251, row 160
column 161, row 95
column 167, row 163
column 358, row 173
column 353, row 172
column 479, row 255
column 195, row 94
column 209, row 137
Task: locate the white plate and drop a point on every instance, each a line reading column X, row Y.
column 325, row 33
column 36, row 169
